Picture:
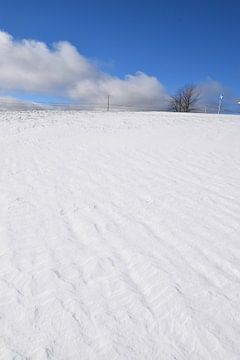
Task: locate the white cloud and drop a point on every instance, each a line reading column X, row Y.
column 211, row 88
column 31, row 66
column 210, row 91
column 12, row 103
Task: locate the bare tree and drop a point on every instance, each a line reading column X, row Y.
column 186, row 99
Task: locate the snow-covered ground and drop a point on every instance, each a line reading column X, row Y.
column 119, row 236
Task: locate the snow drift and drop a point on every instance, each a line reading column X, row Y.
column 119, row 236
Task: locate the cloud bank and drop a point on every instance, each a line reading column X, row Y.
column 33, row 67
column 210, row 91
column 12, row 103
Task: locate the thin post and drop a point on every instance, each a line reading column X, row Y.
column 220, row 103
column 108, row 103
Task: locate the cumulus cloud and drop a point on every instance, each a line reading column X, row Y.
column 210, row 91
column 211, row 88
column 32, row 66
column 12, row 103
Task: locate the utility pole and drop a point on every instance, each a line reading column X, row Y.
column 108, row 103
column 220, row 103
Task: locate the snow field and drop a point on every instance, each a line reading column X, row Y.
column 119, row 236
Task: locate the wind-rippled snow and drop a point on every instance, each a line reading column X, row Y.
column 119, row 236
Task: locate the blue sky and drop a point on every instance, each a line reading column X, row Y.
column 176, row 41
